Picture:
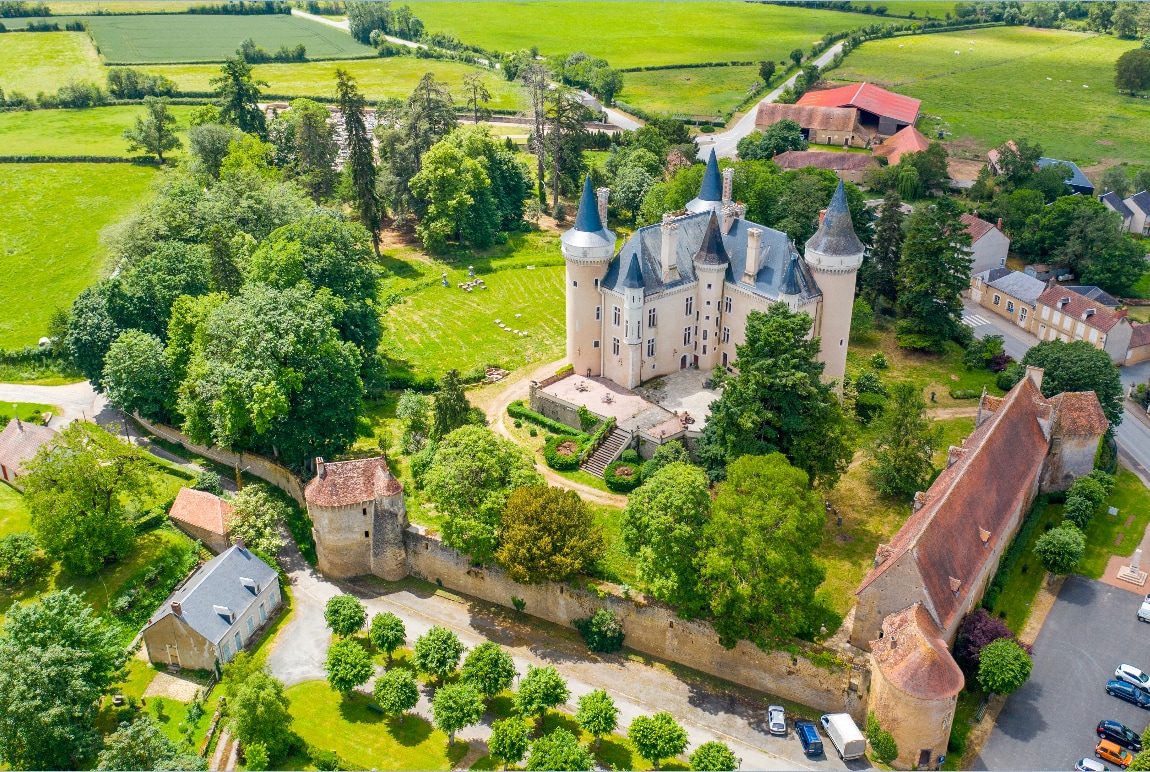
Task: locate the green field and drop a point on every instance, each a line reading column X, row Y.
column 98, row 131
column 50, row 245
column 922, row 9
column 1049, row 86
column 632, row 34
column 702, row 91
column 44, row 61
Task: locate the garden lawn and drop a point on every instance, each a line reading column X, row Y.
column 701, row 91
column 97, row 131
column 44, row 61
column 365, row 739
column 50, row 245
column 395, row 76
column 632, row 34
column 1049, row 86
column 1132, row 499
column 14, row 515
column 25, row 411
column 1027, row 575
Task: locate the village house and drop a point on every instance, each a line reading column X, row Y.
column 820, row 125
column 19, row 443
column 216, row 614
column 1114, row 203
column 204, row 517
column 848, row 167
column 1064, row 314
column 1135, row 211
column 880, row 111
column 1010, row 294
column 1075, row 179
column 989, row 246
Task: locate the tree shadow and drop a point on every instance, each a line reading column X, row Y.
column 411, row 731
column 354, row 710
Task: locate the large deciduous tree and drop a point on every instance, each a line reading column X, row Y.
column 935, row 268
column 208, row 145
column 345, row 615
column 597, row 714
column 560, row 750
column 348, row 665
column 778, row 138
column 508, row 742
column 541, row 688
column 489, row 669
column 259, row 713
column 454, row 707
column 257, row 517
column 155, row 134
column 657, row 737
column 136, row 377
column 714, row 756
column 1078, row 366
column 396, row 692
column 387, row 633
column 547, row 534
column 901, row 458
column 437, row 653
column 238, row 96
column 413, row 127
column 143, row 745
column 1060, row 548
column 1004, row 666
column 1132, row 71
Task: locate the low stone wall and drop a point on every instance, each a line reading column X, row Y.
column 263, row 468
column 555, row 408
column 653, row 628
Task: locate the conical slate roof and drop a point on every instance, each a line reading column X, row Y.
column 712, row 251
column 587, row 220
column 794, row 280
column 712, row 188
column 634, row 277
column 836, row 233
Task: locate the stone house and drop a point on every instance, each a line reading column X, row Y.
column 204, row 517
column 820, row 125
column 1066, row 315
column 19, row 443
column 1010, row 294
column 905, row 140
column 215, row 614
column 848, row 167
column 988, row 244
column 882, row 112
column 1138, row 206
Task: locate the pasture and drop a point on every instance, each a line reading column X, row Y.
column 704, row 91
column 633, row 34
column 988, row 86
column 96, row 131
column 51, row 246
column 44, row 61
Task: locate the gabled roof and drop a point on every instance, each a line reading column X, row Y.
column 823, row 159
column 1095, row 294
column 711, row 251
column 342, row 483
column 232, row 580
column 867, row 97
column 19, row 442
column 1112, row 200
column 587, row 219
column 1141, row 199
column 906, row 140
column 796, row 281
column 1140, row 336
column 202, row 510
column 1018, row 285
column 914, row 657
column 817, row 118
column 1103, row 318
column 976, row 227
column 1076, row 179
column 836, row 233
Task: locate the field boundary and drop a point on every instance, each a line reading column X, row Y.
column 77, row 159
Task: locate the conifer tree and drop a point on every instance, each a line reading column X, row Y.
column 451, row 406
column 239, row 96
column 879, row 272
column 935, row 268
column 360, row 154
column 901, row 460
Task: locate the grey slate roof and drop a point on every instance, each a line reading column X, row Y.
column 836, row 233
column 711, row 251
column 712, row 188
column 1019, row 285
column 634, row 277
column 218, row 583
column 1076, row 179
column 1116, row 203
column 1141, row 199
column 1096, row 294
column 993, row 274
column 587, row 220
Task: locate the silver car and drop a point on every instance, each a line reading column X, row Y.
column 1090, row 765
column 777, row 720
column 1132, row 676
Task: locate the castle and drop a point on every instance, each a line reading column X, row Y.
column 678, row 293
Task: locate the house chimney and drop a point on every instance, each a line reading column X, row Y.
column 669, row 248
column 822, row 214
column 728, row 183
column 754, row 248
column 1000, row 223
column 1034, row 375
column 320, row 468
column 603, row 194
column 177, row 609
column 239, row 542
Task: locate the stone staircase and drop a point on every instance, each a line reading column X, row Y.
column 609, row 450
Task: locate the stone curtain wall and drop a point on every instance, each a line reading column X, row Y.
column 654, row 629
column 553, row 407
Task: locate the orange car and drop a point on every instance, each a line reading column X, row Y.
column 1109, row 751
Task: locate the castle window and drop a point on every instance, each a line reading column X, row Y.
column 614, row 345
column 598, row 312
column 616, row 315
column 704, row 333
column 686, row 336
column 704, row 349
column 727, row 304
column 574, row 283
column 365, row 511
column 690, row 306
column 724, row 359
column 708, row 316
column 650, row 317
column 596, row 344
column 708, row 287
column 596, row 284
column 650, row 347
column 627, row 329
column 726, row 335
column 366, row 535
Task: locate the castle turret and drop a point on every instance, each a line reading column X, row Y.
column 587, row 248
column 834, row 255
column 710, row 198
column 711, row 262
column 633, row 322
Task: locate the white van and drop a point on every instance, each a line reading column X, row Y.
column 845, row 736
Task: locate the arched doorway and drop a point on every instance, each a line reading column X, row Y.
column 683, row 362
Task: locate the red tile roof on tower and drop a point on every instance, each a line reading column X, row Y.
column 905, row 140
column 867, row 97
column 823, row 159
column 914, row 657
column 1079, row 414
column 203, row 510
column 341, row 483
column 1077, row 306
column 976, row 227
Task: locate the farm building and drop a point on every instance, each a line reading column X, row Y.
column 19, row 443
column 988, row 244
column 821, row 125
column 1076, row 180
column 204, row 517
column 907, row 140
column 849, row 167
column 217, row 613
column 882, row 112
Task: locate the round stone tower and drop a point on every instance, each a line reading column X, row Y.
column 587, row 249
column 834, row 255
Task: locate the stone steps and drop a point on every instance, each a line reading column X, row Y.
column 607, row 452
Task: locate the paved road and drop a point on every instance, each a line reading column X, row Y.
column 725, row 142
column 1049, row 723
column 621, row 119
column 75, row 401
column 343, row 25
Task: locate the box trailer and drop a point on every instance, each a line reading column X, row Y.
column 844, row 735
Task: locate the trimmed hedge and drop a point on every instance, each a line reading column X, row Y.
column 558, row 461
column 965, row 393
column 518, row 410
column 622, row 484
column 68, row 159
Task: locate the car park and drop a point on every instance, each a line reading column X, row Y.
column 777, row 720
column 1108, row 751
column 1128, row 692
column 809, row 738
column 1132, row 676
column 1119, row 734
column 1090, row 765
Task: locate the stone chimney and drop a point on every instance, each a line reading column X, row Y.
column 731, row 212
column 1034, row 375
column 728, row 183
column 1000, row 223
column 177, row 609
column 320, row 468
column 754, row 256
column 669, row 249
column 953, row 454
column 239, row 542
column 603, row 194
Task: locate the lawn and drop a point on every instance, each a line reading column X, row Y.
column 1133, row 501
column 396, row 76
column 632, row 34
column 51, row 247
column 14, row 515
column 1049, row 86
column 702, row 91
column 365, row 739
column 25, row 411
column 97, row 131
column 44, row 61
column 922, row 9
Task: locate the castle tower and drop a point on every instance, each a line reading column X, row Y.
column 711, row 263
column 633, row 323
column 710, row 198
column 587, row 249
column 834, row 255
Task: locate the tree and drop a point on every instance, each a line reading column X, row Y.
column 508, row 742
column 471, row 476
column 1004, row 666
column 536, row 80
column 901, row 458
column 76, row 487
column 879, row 272
column 767, row 70
column 136, row 377
column 882, row 743
column 387, row 633
column 489, row 669
column 564, row 136
column 1142, row 179
column 396, row 692
column 632, row 183
column 257, row 517
column 597, row 714
column 1017, row 161
column 1060, row 549
column 602, row 631
column 450, row 409
column 306, row 147
column 778, row 138
column 797, row 56
column 208, row 145
column 1118, row 267
column 756, row 564
column 657, row 737
column 18, row 557
column 714, row 756
column 348, row 665
column 540, row 689
column 360, row 166
column 477, row 96
column 1140, row 762
column 454, row 707
column 660, row 527
column 862, row 318
column 667, row 453
column 256, row 757
column 238, row 96
column 560, row 750
column 1079, row 511
column 777, row 401
column 1132, row 71
column 935, row 268
column 259, row 714
column 91, row 332
column 456, row 193
column 1078, row 366
column 345, row 615
column 977, row 631
column 142, row 745
column 437, row 653
column 1116, row 179
column 547, row 534
column 155, row 134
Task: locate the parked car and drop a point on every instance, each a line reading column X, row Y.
column 1090, row 765
column 777, row 720
column 1132, row 676
column 1120, row 734
column 1144, row 610
column 1108, row 751
column 845, row 736
column 1128, row 692
column 809, row 737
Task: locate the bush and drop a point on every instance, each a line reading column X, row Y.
column 882, row 744
column 706, row 128
column 602, row 631
column 965, row 393
column 18, row 557
column 878, row 361
column 1004, row 666
column 209, row 482
column 1079, row 510
column 1013, row 553
column 630, row 456
column 517, row 410
column 562, row 453
column 622, row 477
column 1010, row 377
column 328, row 761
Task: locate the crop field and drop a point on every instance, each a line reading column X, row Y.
column 378, row 78
column 633, row 34
column 991, row 85
column 44, row 61
column 123, row 6
column 97, row 131
column 50, row 245
column 705, row 91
